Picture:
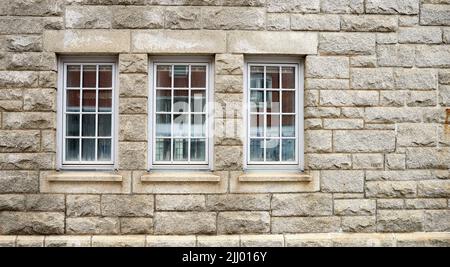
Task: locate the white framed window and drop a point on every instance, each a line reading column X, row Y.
column 87, row 113
column 274, row 120
column 181, row 119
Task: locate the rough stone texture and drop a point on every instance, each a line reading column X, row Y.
column 369, row 23
column 347, row 43
column 305, row 224
column 435, row 15
column 134, row 226
column 302, row 205
column 342, row 181
column 83, row 205
column 243, row 222
column 238, row 202
column 185, row 223
column 127, row 206
column 407, row 7
column 400, row 221
column 179, row 203
column 364, row 141
column 30, row 223
column 92, row 225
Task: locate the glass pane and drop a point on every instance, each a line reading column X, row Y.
column 73, row 101
column 164, row 76
column 163, row 125
column 198, row 76
column 88, row 127
column 273, row 125
column 198, row 151
column 89, row 100
column 256, row 77
column 180, row 149
column 288, row 77
column 198, row 125
column 257, row 125
column 288, row 125
column 105, row 100
column 273, row 101
column 288, row 102
column 73, row 75
column 181, row 125
column 73, row 125
column 273, row 77
column 181, row 101
column 181, row 77
column 162, row 149
column 257, row 101
column 88, row 149
column 105, row 76
column 198, row 101
column 104, row 150
column 89, row 76
column 272, row 150
column 288, row 153
column 257, row 150
column 163, row 100
column 72, row 149
column 104, row 125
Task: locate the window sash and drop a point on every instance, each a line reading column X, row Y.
column 265, row 138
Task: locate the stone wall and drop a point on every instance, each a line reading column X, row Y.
column 377, row 135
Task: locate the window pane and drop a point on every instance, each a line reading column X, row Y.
column 288, row 77
column 273, row 125
column 162, row 149
column 104, row 150
column 163, row 125
column 105, row 100
column 256, row 149
column 164, row 76
column 257, row 101
column 89, row 76
column 105, row 76
column 73, row 125
column 288, row 102
column 198, row 76
column 198, row 125
column 181, row 125
column 272, row 150
column 181, row 101
column 73, row 101
column 256, row 77
column 73, row 75
column 288, row 150
column 198, row 101
column 72, row 149
column 257, row 125
column 88, row 149
column 273, row 77
column 104, row 125
column 180, row 149
column 198, row 150
column 288, row 125
column 273, row 101
column 163, row 100
column 88, row 127
column 89, row 100
column 181, row 77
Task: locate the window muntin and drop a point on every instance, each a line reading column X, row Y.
column 273, row 114
column 88, row 114
column 180, row 120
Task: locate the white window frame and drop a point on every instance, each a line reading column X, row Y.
column 201, row 60
column 61, row 97
column 298, row 165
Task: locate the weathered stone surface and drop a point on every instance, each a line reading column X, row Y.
column 433, row 56
column 262, row 240
column 421, row 99
column 133, row 85
column 392, row 115
column 133, row 105
column 437, row 220
column 24, row 43
column 83, row 205
column 228, row 157
column 428, row 158
column 439, row 188
column 179, row 202
column 423, row 240
column 39, row 100
column 327, row 67
column 342, row 181
column 385, row 38
column 317, row 204
column 229, row 84
column 19, row 181
column 118, row 241
column 407, row 7
column 278, row 22
column 12, row 79
column 315, row 22
column 305, row 224
column 403, row 175
column 184, row 223
column 303, row 6
column 385, row 189
column 369, row 23
column 133, row 155
column 130, row 206
column 233, row 18
column 30, row 241
column 424, row 203
column 243, row 222
column 31, row 7
column 28, row 120
column 171, row 241
column 133, row 63
column 400, row 221
column 130, row 127
column 347, row 43
column 137, row 17
column 417, row 134
column 45, row 202
column 88, row 17
column 134, row 226
column 11, row 202
column 229, row 64
column 359, row 224
column 435, row 15
column 342, row 6
column 43, row 223
column 328, row 161
column 364, row 141
column 395, row 161
column 444, row 95
column 354, row 207
column 27, row 161
column 379, row 78
column 182, row 18
column 424, row 35
column 68, row 241
column 238, row 202
column 218, row 241
column 390, row 204
column 19, row 141
column 363, row 61
column 416, row 79
column 395, row 55
column 348, row 98
column 368, row 161
column 327, row 84
column 92, row 225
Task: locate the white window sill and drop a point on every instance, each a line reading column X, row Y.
column 180, row 176
column 84, row 177
column 288, row 177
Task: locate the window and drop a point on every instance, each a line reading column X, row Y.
column 180, row 95
column 87, row 113
column 274, row 117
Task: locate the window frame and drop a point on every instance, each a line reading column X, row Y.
column 61, row 97
column 298, row 62
column 209, row 135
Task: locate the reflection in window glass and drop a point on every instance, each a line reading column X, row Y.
column 89, row 76
column 73, row 76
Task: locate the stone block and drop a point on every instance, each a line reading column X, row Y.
column 243, row 222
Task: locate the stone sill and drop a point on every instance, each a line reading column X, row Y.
column 175, row 177
column 84, row 177
column 258, row 177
